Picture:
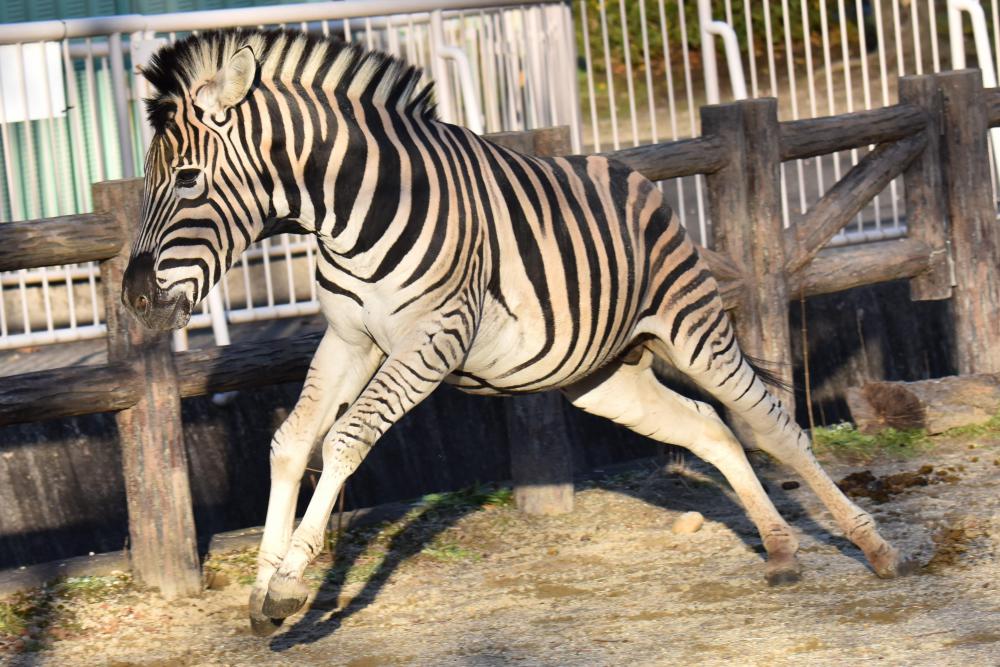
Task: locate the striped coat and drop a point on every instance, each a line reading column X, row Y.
column 443, row 258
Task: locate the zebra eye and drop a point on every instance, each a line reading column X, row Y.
column 187, row 178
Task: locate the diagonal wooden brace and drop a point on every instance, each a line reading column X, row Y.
column 846, row 199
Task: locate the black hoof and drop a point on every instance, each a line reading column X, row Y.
column 782, row 570
column 784, row 577
column 260, row 624
column 898, row 568
column 889, row 564
column 263, row 626
column 285, row 596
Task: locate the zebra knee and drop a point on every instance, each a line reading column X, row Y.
column 289, row 455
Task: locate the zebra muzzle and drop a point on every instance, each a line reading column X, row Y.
column 154, row 307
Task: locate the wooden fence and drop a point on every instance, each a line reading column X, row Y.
column 936, row 138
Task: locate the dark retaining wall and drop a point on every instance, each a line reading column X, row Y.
column 61, row 490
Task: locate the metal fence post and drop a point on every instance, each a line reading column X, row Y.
column 122, row 116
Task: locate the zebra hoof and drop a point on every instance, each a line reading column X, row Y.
column 285, row 596
column 260, row 624
column 782, row 571
column 889, row 565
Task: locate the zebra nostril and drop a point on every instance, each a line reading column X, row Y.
column 142, row 304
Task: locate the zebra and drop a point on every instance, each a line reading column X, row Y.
column 442, row 258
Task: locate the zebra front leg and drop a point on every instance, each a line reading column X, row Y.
column 338, row 372
column 402, row 382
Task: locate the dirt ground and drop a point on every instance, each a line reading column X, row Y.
column 464, row 579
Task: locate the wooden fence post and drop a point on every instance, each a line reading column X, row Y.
column 975, row 234
column 162, row 541
column 541, row 455
column 926, row 202
column 745, row 212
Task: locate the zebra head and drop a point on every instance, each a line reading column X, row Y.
column 204, row 201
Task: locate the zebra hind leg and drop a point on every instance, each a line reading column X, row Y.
column 630, row 394
column 712, row 359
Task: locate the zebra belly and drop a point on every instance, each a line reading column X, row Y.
column 509, row 356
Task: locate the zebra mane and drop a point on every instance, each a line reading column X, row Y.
column 291, row 57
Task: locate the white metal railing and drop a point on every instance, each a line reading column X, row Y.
column 490, row 76
column 819, row 57
column 512, row 66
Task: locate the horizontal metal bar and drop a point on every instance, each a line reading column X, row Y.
column 101, row 50
column 52, row 274
column 856, row 237
column 45, row 337
column 258, row 313
column 36, row 31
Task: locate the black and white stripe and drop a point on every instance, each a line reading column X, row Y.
column 443, row 257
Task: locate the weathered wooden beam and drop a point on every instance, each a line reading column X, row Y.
column 541, row 141
column 975, row 235
column 846, row 198
column 992, row 96
column 829, row 134
column 673, row 159
column 744, row 205
column 543, row 478
column 926, row 209
column 68, row 239
column 244, row 365
column 162, row 544
column 67, row 392
column 933, row 405
column 839, row 269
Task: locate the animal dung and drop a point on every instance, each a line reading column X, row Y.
column 687, row 523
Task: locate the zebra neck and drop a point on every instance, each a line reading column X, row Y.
column 386, row 182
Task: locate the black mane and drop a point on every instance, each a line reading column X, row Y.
column 175, row 67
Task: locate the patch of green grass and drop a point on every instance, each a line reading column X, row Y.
column 449, row 552
column 15, row 614
column 241, row 565
column 990, row 427
column 35, row 616
column 90, row 588
column 845, row 440
column 473, row 497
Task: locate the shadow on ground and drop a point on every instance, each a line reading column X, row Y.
column 420, row 527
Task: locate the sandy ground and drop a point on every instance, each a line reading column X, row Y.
column 610, row 584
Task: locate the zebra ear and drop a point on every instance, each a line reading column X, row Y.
column 230, row 84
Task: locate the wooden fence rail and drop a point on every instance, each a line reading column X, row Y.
column 935, row 138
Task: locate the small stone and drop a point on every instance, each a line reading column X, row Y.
column 217, row 581
column 687, row 523
column 789, row 485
